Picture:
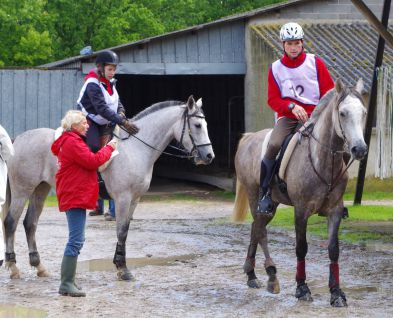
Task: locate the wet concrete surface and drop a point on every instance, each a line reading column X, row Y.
column 187, row 260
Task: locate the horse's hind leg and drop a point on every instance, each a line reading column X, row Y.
column 30, row 223
column 337, row 298
column 302, row 290
column 259, row 235
column 124, row 210
column 273, row 285
column 10, row 224
column 249, row 264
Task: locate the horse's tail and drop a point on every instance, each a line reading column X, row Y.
column 241, row 203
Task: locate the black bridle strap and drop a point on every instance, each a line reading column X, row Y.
column 188, row 154
column 333, row 181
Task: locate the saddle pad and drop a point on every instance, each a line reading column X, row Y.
column 58, row 132
column 287, row 155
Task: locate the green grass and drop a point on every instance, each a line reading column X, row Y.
column 364, row 223
column 51, row 201
column 374, row 189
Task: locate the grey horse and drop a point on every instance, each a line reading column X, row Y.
column 32, row 172
column 315, row 178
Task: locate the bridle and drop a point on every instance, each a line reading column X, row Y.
column 186, row 154
column 308, row 132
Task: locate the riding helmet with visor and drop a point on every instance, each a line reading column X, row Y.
column 291, row 31
column 107, row 57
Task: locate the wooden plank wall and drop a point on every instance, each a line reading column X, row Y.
column 34, row 98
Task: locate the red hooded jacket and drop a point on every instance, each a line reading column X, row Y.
column 279, row 104
column 76, row 178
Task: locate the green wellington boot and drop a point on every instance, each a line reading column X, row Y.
column 68, row 270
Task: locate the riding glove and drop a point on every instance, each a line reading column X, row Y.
column 130, row 127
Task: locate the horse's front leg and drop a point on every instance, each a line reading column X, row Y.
column 259, row 235
column 302, row 290
column 125, row 207
column 337, row 298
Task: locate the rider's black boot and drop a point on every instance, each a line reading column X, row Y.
column 265, row 202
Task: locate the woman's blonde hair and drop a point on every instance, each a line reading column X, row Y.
column 72, row 117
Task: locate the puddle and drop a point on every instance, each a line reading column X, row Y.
column 379, row 247
column 360, row 289
column 10, row 311
column 95, row 265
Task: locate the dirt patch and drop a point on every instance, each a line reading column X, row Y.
column 187, row 259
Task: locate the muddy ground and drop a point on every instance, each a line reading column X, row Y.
column 187, row 260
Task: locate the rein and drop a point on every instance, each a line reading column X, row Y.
column 308, row 132
column 187, row 154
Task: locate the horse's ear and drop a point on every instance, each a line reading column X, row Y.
column 360, row 86
column 199, row 103
column 339, row 86
column 191, row 102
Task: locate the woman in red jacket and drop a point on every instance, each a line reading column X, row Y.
column 296, row 83
column 76, row 189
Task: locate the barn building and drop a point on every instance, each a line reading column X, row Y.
column 225, row 62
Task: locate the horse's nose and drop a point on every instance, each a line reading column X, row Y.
column 209, row 157
column 358, row 152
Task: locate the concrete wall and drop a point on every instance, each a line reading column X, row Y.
column 257, row 114
column 323, row 10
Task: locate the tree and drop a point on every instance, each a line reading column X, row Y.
column 102, row 24
column 24, row 33
column 34, row 32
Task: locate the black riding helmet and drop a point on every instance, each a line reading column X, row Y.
column 107, row 57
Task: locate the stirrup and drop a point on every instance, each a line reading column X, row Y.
column 266, row 205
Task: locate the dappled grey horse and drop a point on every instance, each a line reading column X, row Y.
column 315, row 177
column 32, row 172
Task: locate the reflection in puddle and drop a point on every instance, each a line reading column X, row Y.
column 95, row 265
column 10, row 311
column 379, row 247
column 360, row 289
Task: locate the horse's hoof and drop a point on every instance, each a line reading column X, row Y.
column 273, row 287
column 337, row 298
column 303, row 293
column 15, row 274
column 125, row 275
column 254, row 283
column 41, row 271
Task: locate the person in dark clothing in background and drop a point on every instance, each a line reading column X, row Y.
column 100, row 102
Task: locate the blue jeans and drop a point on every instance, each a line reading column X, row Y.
column 76, row 219
column 100, row 203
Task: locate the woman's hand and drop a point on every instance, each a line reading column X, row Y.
column 300, row 113
column 113, row 144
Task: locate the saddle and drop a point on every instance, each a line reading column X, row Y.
column 283, row 157
column 103, row 192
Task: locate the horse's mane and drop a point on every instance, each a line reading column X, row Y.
column 324, row 101
column 328, row 97
column 155, row 107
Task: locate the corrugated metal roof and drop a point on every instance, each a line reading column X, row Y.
column 246, row 15
column 347, row 48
